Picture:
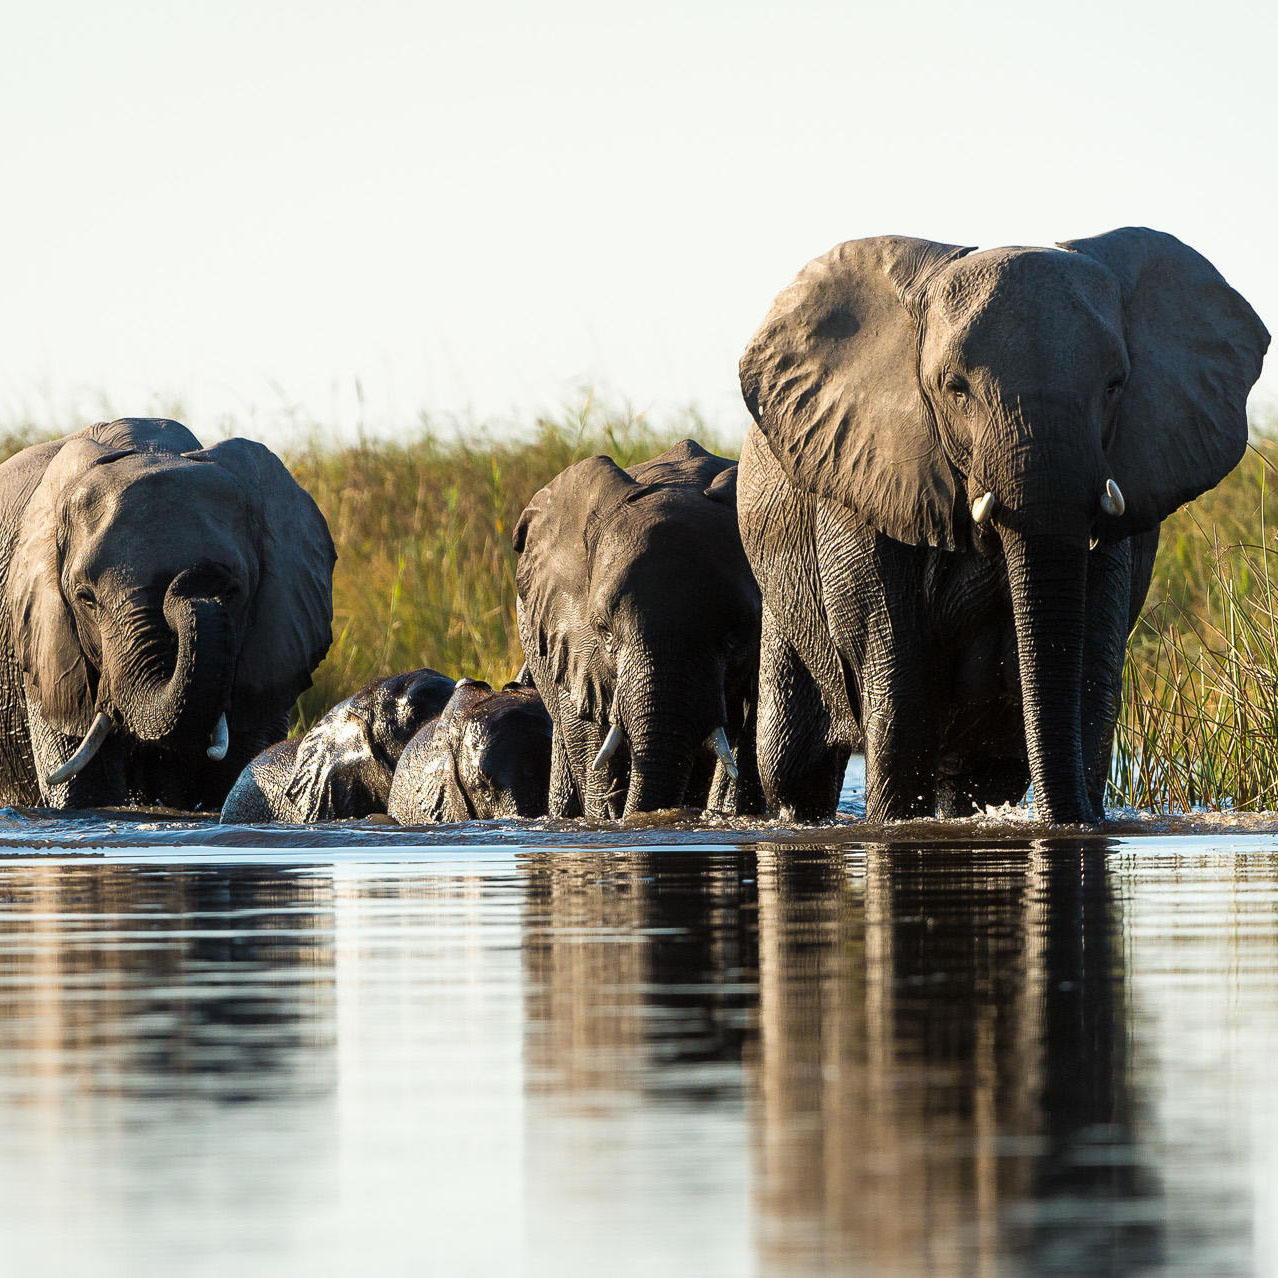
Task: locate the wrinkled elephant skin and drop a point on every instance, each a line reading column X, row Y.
column 342, row 769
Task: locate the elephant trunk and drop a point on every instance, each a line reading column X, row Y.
column 168, row 669
column 1048, row 580
column 664, row 728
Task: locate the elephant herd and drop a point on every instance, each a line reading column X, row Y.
column 938, row 537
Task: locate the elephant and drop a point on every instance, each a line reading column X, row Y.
column 950, row 494
column 162, row 605
column 487, row 756
column 639, row 620
column 343, row 767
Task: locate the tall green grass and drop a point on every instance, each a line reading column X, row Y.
column 425, row 576
column 425, row 571
column 1199, row 727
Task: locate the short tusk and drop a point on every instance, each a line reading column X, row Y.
column 1093, row 542
column 220, row 741
column 718, row 742
column 524, row 673
column 608, row 749
column 1112, row 502
column 98, row 732
column 982, row 509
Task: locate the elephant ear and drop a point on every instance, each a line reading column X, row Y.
column 323, row 785
column 555, row 540
column 723, row 488
column 831, row 378
column 290, row 623
column 45, row 640
column 1196, row 348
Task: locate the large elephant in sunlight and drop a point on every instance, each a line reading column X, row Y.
column 162, row 605
column 639, row 620
column 951, row 496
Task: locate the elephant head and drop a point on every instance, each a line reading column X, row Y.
column 171, row 594
column 345, row 764
column 640, row 620
column 487, row 756
column 1020, row 401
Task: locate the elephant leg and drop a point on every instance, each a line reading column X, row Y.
column 1112, row 584
column 969, row 786
column 899, row 719
column 800, row 769
column 565, row 802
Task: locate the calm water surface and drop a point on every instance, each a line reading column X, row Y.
column 501, row 1050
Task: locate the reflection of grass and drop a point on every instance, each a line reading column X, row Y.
column 426, row 577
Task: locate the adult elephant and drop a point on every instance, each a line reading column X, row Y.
column 343, row 767
column 161, row 607
column 639, row 620
column 487, row 756
column 951, row 497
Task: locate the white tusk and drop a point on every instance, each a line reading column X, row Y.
column 220, row 741
column 524, row 673
column 1093, row 543
column 718, row 742
column 608, row 749
column 1112, row 502
column 982, row 509
column 98, row 732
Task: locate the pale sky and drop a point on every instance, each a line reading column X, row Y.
column 475, row 209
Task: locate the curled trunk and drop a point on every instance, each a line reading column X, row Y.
column 167, row 669
column 1047, row 576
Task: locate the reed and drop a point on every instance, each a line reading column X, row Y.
column 425, row 576
column 1199, row 724
column 425, row 571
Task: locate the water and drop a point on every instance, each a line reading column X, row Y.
column 942, row 1048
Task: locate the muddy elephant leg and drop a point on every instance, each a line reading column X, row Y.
column 901, row 739
column 800, row 769
column 565, row 802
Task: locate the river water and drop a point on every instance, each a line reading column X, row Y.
column 519, row 1049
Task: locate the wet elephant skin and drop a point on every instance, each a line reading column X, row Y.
column 487, row 756
column 343, row 767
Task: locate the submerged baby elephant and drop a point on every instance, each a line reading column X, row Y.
column 342, row 768
column 486, row 756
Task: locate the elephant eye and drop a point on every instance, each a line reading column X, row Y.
column 1115, row 386
column 85, row 596
column 958, row 388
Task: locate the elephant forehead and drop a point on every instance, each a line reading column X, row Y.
column 152, row 494
column 156, row 506
column 999, row 292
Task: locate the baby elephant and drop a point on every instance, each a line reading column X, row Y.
column 486, row 756
column 343, row 767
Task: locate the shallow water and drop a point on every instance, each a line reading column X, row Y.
column 948, row 1048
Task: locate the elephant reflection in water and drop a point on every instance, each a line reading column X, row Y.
column 934, row 1062
column 167, row 1010
column 596, row 982
column 942, row 1078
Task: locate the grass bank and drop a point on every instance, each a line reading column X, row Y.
column 425, row 576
